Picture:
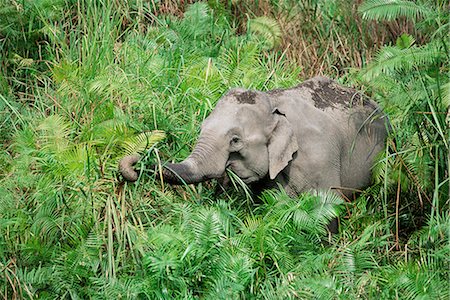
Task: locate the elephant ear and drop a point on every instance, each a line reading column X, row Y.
column 282, row 144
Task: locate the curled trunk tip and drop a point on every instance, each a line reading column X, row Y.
column 126, row 167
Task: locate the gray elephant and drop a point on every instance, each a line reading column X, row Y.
column 318, row 135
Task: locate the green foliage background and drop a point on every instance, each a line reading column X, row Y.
column 85, row 82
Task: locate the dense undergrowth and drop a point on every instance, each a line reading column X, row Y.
column 85, row 82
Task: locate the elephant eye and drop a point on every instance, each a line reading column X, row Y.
column 235, row 139
column 236, row 143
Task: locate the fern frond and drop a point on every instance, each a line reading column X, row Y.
column 318, row 287
column 207, row 227
column 197, row 12
column 436, row 233
column 143, row 141
column 393, row 59
column 160, row 261
column 235, row 64
column 117, row 288
column 445, row 92
column 354, row 261
column 231, row 274
column 54, row 134
column 267, row 29
column 196, row 22
column 32, row 279
column 25, row 142
column 413, row 281
column 388, row 10
column 76, row 160
column 308, row 212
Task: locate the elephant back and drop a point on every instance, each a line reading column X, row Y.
column 326, row 94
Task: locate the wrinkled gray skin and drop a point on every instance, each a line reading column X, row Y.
column 318, row 135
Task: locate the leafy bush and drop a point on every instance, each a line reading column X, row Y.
column 410, row 81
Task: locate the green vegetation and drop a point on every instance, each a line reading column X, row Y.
column 85, row 82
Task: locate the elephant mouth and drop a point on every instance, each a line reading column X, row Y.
column 248, row 179
column 245, row 179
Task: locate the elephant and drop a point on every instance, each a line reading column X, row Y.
column 317, row 135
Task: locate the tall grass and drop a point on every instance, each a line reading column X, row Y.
column 325, row 37
column 111, row 78
column 410, row 81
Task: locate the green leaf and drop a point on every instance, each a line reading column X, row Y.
column 405, row 41
column 388, row 10
column 143, row 141
column 267, row 30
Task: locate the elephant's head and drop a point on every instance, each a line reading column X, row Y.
column 244, row 133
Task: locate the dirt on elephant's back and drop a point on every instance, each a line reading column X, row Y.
column 327, row 93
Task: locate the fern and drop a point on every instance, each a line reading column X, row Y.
column 232, row 273
column 32, row 280
column 394, row 60
column 267, row 30
column 207, row 228
column 239, row 65
column 69, row 229
column 54, row 135
column 409, row 79
column 410, row 281
column 142, row 141
column 391, row 9
column 309, row 212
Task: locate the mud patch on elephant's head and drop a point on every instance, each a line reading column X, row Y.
column 247, row 97
column 242, row 96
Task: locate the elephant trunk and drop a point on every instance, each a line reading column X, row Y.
column 126, row 167
column 182, row 173
column 204, row 163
